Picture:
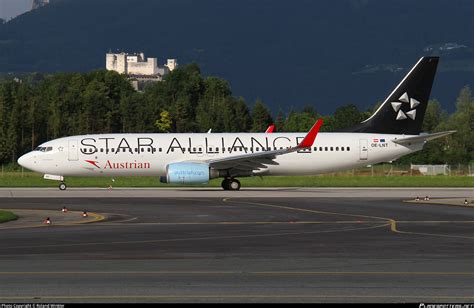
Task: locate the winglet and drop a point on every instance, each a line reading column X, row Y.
column 270, row 129
column 311, row 135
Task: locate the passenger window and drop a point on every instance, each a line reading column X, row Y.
column 160, row 150
column 148, row 149
column 101, row 150
column 337, row 148
column 348, row 148
column 315, row 149
column 342, row 148
column 325, row 148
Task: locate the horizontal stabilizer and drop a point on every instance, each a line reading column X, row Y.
column 422, row 138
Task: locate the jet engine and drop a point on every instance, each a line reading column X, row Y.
column 189, row 173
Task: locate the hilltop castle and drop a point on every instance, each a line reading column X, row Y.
column 137, row 68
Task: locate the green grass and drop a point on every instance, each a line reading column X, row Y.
column 7, row 216
column 30, row 179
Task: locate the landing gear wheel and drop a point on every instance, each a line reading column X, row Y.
column 62, row 186
column 234, row 184
column 225, row 184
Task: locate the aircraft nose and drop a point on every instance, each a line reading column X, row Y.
column 25, row 161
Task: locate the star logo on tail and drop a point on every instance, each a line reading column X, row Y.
column 397, row 107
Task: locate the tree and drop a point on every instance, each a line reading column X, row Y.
column 3, row 122
column 164, row 123
column 346, row 116
column 236, row 115
column 280, row 122
column 461, row 143
column 184, row 116
column 261, row 117
column 12, row 133
column 433, row 116
column 300, row 121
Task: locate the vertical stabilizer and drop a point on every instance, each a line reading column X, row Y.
column 404, row 109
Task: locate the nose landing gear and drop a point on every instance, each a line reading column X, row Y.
column 62, row 186
column 53, row 177
column 230, row 184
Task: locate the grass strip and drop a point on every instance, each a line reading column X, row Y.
column 7, row 216
column 30, row 179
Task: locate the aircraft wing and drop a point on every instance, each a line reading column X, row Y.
column 256, row 161
column 422, row 138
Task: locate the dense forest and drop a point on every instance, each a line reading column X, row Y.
column 37, row 107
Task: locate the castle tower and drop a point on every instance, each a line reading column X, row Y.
column 172, row 64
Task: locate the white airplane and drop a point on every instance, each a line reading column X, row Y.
column 391, row 132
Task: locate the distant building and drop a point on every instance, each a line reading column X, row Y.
column 137, row 68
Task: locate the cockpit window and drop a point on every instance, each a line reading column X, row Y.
column 44, row 149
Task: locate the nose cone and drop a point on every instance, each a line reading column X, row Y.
column 26, row 161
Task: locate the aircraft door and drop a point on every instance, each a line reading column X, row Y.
column 72, row 150
column 363, row 149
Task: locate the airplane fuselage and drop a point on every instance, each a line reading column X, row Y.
column 150, row 154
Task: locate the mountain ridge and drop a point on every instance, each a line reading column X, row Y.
column 288, row 53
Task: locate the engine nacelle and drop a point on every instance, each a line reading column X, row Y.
column 188, row 173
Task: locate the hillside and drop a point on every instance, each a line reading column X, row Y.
column 288, row 53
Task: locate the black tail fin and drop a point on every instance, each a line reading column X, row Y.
column 404, row 109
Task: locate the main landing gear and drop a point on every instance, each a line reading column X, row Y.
column 62, row 186
column 230, row 184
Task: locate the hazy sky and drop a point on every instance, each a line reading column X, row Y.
column 13, row 8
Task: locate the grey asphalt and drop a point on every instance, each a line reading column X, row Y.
column 265, row 249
